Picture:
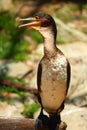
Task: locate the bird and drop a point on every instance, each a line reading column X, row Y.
column 53, row 74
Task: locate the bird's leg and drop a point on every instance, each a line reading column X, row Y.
column 61, row 125
column 54, row 121
column 42, row 120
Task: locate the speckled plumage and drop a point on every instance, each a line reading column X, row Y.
column 53, row 87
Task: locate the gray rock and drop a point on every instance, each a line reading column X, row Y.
column 75, row 117
column 77, row 55
column 11, row 110
column 68, row 34
column 5, row 5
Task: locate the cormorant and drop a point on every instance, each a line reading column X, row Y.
column 53, row 76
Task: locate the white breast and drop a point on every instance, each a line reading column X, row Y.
column 53, row 83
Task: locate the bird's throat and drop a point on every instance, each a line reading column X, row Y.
column 49, row 46
column 49, row 41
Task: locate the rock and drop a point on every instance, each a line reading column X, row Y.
column 29, row 99
column 75, row 117
column 68, row 34
column 19, row 69
column 26, row 8
column 8, row 110
column 6, row 5
column 77, row 55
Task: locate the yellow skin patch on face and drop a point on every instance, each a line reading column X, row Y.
column 35, row 25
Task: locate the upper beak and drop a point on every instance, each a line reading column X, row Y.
column 32, row 22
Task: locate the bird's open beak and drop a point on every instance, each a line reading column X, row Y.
column 32, row 22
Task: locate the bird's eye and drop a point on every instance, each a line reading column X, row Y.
column 37, row 17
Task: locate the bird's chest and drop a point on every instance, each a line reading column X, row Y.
column 53, row 82
column 54, row 71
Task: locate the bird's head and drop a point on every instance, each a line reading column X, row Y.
column 43, row 23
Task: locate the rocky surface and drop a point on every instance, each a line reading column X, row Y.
column 75, row 117
column 69, row 34
column 77, row 55
column 7, row 6
column 12, row 107
column 10, row 110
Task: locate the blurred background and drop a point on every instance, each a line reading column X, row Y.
column 22, row 48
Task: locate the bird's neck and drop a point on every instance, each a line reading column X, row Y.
column 49, row 45
column 49, row 37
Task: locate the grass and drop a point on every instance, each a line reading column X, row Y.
column 30, row 109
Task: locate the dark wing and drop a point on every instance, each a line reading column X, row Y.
column 39, row 74
column 68, row 74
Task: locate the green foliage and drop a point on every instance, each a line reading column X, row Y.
column 12, row 44
column 4, row 88
column 12, row 89
column 85, row 6
column 29, row 110
column 16, row 80
column 5, row 45
column 60, row 41
column 34, row 35
column 21, row 51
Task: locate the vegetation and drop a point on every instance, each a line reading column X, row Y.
column 13, row 89
column 34, row 35
column 29, row 110
column 12, row 46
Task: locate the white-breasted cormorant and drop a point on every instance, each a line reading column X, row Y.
column 53, row 75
